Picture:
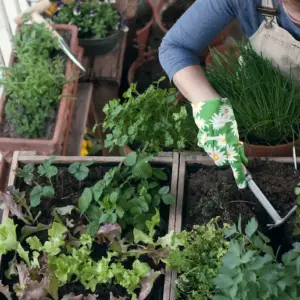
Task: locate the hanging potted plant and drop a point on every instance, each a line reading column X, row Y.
column 99, row 24
column 265, row 102
column 39, row 83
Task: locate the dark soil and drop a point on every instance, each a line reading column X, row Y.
column 8, row 130
column 211, row 192
column 174, row 12
column 148, row 73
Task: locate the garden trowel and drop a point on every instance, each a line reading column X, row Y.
column 37, row 18
column 278, row 221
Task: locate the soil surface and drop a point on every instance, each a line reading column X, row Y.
column 211, row 192
column 68, row 190
column 148, row 73
column 8, row 129
column 174, row 12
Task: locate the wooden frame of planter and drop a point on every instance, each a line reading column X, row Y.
column 53, row 146
column 190, row 158
column 170, row 159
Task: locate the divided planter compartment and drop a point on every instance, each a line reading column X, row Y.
column 266, row 172
column 169, row 160
column 54, row 145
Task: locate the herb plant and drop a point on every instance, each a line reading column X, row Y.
column 94, row 19
column 265, row 103
column 34, row 83
column 128, row 194
column 198, row 260
column 155, row 120
column 250, row 269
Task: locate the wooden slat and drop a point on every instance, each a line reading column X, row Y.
column 12, row 10
column 23, row 4
column 80, row 116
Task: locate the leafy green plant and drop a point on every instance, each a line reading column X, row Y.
column 33, row 83
column 29, row 79
column 265, row 103
column 250, row 269
column 198, row 260
column 8, row 236
column 80, row 170
column 153, row 119
column 94, row 19
column 128, row 194
column 53, row 263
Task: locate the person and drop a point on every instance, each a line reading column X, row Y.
column 273, row 28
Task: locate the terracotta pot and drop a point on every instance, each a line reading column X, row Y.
column 285, row 150
column 53, row 146
column 162, row 5
column 142, row 35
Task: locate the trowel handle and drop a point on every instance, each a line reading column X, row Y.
column 37, row 18
column 39, row 8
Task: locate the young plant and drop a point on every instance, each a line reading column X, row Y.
column 265, row 103
column 198, row 260
column 153, row 120
column 33, row 83
column 80, row 170
column 128, row 194
column 94, row 19
column 250, row 269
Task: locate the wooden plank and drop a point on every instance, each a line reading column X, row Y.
column 109, row 67
column 12, row 10
column 80, row 116
column 23, row 5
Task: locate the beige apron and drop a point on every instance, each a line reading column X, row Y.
column 277, row 44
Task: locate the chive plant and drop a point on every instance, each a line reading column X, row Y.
column 266, row 103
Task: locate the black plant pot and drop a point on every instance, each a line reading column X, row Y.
column 97, row 47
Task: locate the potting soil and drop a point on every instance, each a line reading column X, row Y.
column 212, row 192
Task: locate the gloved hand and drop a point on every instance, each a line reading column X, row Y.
column 218, row 136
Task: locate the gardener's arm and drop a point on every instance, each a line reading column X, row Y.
column 192, row 33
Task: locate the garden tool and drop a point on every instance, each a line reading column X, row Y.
column 37, row 18
column 278, row 221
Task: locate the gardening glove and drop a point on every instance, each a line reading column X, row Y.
column 218, row 136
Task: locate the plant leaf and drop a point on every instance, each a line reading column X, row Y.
column 168, row 199
column 164, row 190
column 130, row 159
column 85, row 200
column 108, row 233
column 251, row 227
column 65, row 210
column 48, row 191
column 158, row 173
column 4, row 290
column 35, row 196
column 147, row 284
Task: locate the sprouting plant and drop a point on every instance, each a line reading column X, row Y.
column 94, row 19
column 47, row 169
column 250, row 269
column 33, row 84
column 198, row 260
column 80, row 170
column 128, row 194
column 154, row 120
column 265, row 103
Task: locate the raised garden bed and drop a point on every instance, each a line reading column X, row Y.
column 101, row 165
column 57, row 129
column 206, row 192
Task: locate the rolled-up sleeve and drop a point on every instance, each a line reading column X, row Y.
column 193, row 32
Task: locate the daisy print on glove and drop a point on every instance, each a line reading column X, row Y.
column 218, row 136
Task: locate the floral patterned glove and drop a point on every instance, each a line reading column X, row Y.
column 218, row 136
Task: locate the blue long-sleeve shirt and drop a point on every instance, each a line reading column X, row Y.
column 203, row 21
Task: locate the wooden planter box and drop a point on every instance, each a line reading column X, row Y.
column 53, row 146
column 188, row 159
column 170, row 160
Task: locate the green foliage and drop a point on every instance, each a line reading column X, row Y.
column 94, row 19
column 128, row 194
column 265, row 103
column 46, row 169
column 27, row 173
column 34, row 83
column 154, row 119
column 8, row 236
column 250, row 270
column 80, row 170
column 199, row 260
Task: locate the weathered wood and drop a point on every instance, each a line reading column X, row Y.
column 109, row 67
column 80, row 117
